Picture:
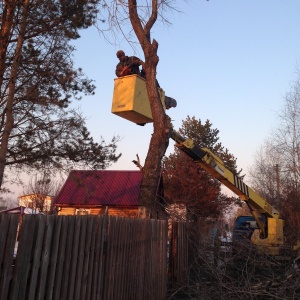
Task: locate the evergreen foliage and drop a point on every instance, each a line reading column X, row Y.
column 38, row 82
column 186, row 182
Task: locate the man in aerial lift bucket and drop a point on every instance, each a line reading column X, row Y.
column 129, row 65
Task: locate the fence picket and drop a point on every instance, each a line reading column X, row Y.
column 70, row 227
column 45, row 258
column 23, row 258
column 8, row 234
column 60, row 260
column 86, row 256
column 101, row 258
column 36, row 258
column 73, row 267
column 90, row 264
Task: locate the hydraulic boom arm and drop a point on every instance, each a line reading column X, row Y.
column 215, row 166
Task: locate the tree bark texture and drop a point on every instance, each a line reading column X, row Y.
column 161, row 122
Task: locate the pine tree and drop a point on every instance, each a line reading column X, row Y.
column 186, row 182
column 37, row 84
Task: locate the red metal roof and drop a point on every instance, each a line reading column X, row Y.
column 101, row 187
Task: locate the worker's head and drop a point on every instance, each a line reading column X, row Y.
column 121, row 55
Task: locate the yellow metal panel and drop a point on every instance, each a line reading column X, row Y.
column 270, row 245
column 275, row 230
column 130, row 99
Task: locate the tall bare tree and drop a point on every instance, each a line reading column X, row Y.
column 142, row 16
column 263, row 172
column 40, row 191
column 161, row 122
column 276, row 171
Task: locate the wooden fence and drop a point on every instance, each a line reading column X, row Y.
column 178, row 263
column 82, row 257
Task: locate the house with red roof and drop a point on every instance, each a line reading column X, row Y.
column 98, row 192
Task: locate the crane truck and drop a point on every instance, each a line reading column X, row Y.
column 264, row 227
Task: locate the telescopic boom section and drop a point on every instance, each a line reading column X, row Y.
column 215, row 166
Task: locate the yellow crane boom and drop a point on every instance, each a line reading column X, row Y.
column 269, row 237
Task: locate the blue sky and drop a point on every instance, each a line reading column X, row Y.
column 231, row 62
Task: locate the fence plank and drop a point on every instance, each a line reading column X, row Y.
column 132, row 258
column 179, row 254
column 80, row 257
column 101, row 250
column 125, row 255
column 163, row 261
column 23, row 258
column 53, row 257
column 36, row 257
column 70, row 224
column 45, row 258
column 60, row 259
column 108, row 263
column 123, row 240
column 120, row 251
column 8, row 235
column 90, row 265
column 4, row 233
column 86, row 256
column 74, row 256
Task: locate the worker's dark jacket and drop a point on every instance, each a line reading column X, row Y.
column 129, row 66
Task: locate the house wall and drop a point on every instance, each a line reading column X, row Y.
column 112, row 211
column 29, row 201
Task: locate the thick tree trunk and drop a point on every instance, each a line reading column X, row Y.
column 152, row 170
column 5, row 33
column 161, row 122
column 158, row 145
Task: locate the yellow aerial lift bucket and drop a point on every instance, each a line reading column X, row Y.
column 130, row 99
